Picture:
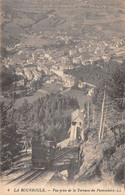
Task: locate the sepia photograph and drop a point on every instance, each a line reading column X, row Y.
column 62, row 97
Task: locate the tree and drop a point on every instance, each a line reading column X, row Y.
column 25, row 125
column 10, row 141
column 114, row 83
column 6, row 78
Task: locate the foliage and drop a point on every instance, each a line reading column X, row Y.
column 111, row 74
column 36, row 84
column 113, row 85
column 49, row 114
column 10, row 139
column 102, row 159
column 8, row 76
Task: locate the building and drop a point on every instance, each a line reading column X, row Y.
column 67, row 79
column 19, row 83
column 77, row 125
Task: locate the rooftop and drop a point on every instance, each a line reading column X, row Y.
column 77, row 114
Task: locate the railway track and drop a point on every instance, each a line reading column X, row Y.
column 63, row 153
column 19, row 177
column 26, row 178
column 32, row 176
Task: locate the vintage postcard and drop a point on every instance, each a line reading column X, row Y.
column 62, row 97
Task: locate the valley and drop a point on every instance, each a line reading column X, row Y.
column 51, row 36
column 63, row 79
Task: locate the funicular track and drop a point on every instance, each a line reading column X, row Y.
column 26, row 178
column 32, row 175
column 63, row 153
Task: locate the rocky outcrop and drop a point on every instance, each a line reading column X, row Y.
column 102, row 159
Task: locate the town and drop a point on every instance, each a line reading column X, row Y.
column 39, row 55
column 62, row 95
column 30, row 66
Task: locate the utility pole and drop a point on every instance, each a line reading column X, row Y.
column 104, row 124
column 102, row 117
column 88, row 115
column 93, row 115
column 13, row 100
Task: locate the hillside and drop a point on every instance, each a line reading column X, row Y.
column 59, row 56
column 47, row 35
column 103, row 162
